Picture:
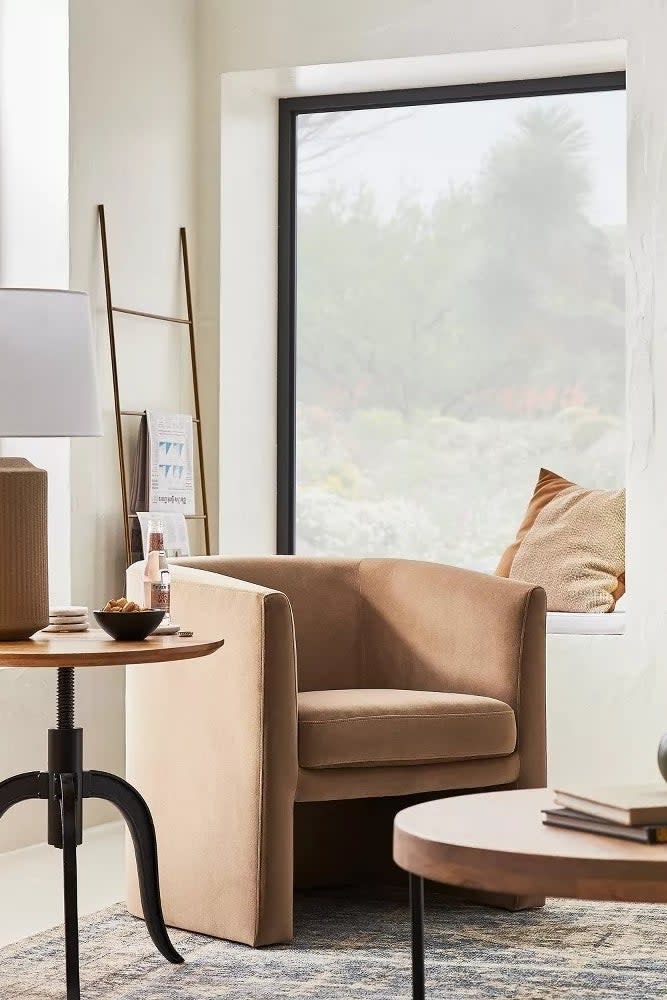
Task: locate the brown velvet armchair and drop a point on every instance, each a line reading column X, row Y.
column 345, row 689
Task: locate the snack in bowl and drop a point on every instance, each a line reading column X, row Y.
column 122, row 605
column 127, row 621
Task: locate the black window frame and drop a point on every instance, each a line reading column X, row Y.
column 288, row 111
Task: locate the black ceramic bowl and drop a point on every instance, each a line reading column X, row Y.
column 128, row 626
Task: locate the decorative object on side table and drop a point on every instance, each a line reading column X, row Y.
column 68, row 618
column 133, row 626
column 157, row 580
column 65, row 784
column 662, row 756
column 24, row 608
column 47, row 389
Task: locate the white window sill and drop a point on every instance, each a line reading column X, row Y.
column 571, row 623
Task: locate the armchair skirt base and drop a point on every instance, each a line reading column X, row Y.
column 350, row 843
column 336, row 784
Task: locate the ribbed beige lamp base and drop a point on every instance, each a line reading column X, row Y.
column 24, row 567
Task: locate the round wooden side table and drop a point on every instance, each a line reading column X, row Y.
column 65, row 784
column 496, row 841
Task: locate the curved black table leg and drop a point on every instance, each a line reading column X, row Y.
column 21, row 788
column 135, row 812
column 68, row 807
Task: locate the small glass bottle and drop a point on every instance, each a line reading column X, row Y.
column 155, row 536
column 156, row 572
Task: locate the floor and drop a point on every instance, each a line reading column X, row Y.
column 31, row 879
column 355, row 945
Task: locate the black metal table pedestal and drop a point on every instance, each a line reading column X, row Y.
column 65, row 785
column 417, row 921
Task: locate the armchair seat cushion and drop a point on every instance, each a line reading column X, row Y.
column 380, row 727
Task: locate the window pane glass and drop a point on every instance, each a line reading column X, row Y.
column 460, row 319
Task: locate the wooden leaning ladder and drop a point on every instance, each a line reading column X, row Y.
column 120, row 413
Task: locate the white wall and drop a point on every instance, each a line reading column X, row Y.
column 132, row 107
column 260, row 34
column 620, row 706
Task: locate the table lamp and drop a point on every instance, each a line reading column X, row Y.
column 47, row 389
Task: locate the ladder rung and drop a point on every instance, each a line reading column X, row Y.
column 188, row 517
column 140, row 413
column 146, row 315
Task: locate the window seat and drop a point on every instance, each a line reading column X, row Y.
column 573, row 623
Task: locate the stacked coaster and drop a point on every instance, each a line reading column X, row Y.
column 67, row 619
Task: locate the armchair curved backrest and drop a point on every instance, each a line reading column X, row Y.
column 402, row 623
column 326, row 605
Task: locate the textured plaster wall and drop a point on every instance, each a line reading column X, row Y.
column 132, row 109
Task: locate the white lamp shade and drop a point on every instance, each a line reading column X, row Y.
column 48, row 386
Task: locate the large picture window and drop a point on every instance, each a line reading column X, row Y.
column 451, row 312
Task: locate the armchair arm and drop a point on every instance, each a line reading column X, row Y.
column 212, row 744
column 440, row 628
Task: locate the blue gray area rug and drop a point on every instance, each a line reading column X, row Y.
column 352, row 947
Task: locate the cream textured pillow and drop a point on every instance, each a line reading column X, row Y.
column 572, row 543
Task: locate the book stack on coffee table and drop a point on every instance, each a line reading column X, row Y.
column 632, row 812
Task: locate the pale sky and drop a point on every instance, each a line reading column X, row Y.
column 425, row 149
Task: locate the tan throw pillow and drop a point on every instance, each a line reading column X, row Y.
column 571, row 542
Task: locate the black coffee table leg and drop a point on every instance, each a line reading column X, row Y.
column 68, row 812
column 135, row 812
column 417, row 920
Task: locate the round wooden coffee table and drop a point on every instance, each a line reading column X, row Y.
column 65, row 784
column 496, row 841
